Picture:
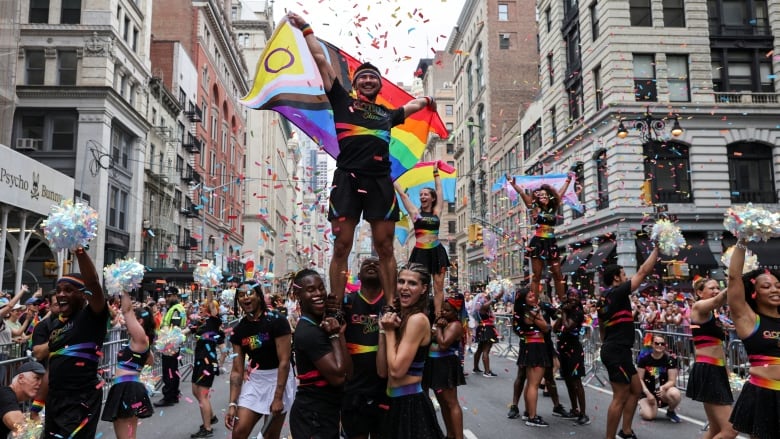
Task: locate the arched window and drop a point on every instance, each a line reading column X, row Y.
column 473, row 196
column 751, row 173
column 470, row 82
column 482, row 125
column 668, row 169
column 481, row 67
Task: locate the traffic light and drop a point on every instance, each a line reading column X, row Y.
column 472, row 232
column 478, row 237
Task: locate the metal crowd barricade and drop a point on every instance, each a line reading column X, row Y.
column 506, row 345
column 591, row 346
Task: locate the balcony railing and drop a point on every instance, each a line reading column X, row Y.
column 190, row 211
column 759, row 196
column 192, row 144
column 746, row 97
column 753, row 30
column 190, row 176
column 194, row 114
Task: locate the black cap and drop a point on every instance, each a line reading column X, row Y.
column 32, row 366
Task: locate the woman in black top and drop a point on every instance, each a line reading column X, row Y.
column 428, row 251
column 208, row 333
column 543, row 248
column 322, row 361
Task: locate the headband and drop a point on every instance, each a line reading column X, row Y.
column 456, row 302
column 73, row 280
column 367, row 72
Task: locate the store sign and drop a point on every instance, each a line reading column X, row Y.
column 29, row 184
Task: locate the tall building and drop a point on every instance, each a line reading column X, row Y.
column 203, row 30
column 662, row 108
column 83, row 92
column 494, row 75
column 9, row 39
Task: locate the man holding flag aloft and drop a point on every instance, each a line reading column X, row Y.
column 362, row 182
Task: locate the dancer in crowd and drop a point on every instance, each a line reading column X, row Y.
column 174, row 316
column 708, row 381
column 365, row 403
column 443, row 370
column 533, row 356
column 486, row 334
column 428, row 251
column 208, row 334
column 127, row 399
column 543, row 248
column 263, row 336
column 617, row 334
column 754, row 301
column 571, row 354
column 659, row 367
column 23, row 388
column 322, row 361
column 403, row 347
column 74, row 397
column 361, row 183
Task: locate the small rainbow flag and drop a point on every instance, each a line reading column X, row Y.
column 288, row 81
column 421, row 176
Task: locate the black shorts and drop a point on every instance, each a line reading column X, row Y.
column 204, row 370
column 572, row 359
column 354, row 194
column 66, row 410
column 311, row 419
column 362, row 415
column 543, row 248
column 619, row 363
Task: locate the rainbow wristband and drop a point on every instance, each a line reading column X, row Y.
column 37, row 406
column 306, row 29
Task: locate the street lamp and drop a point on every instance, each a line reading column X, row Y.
column 650, row 128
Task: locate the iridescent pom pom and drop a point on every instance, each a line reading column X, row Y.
column 668, row 237
column 30, row 429
column 751, row 260
column 70, row 225
column 228, row 296
column 123, row 275
column 149, row 380
column 496, row 286
column 206, row 274
column 752, row 223
column 169, row 340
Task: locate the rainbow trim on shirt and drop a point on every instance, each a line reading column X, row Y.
column 127, row 379
column 710, row 360
column 763, row 360
column 623, row 316
column 533, row 337
column 416, row 368
column 765, row 383
column 703, row 341
column 344, row 130
column 421, row 234
column 77, row 350
column 355, row 348
column 544, row 231
column 406, row 390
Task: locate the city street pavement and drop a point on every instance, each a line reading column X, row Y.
column 485, row 403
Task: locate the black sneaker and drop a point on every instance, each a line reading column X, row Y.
column 563, row 413
column 583, row 420
column 166, row 402
column 536, row 421
column 525, row 416
column 202, row 433
column 514, row 412
column 489, row 374
column 622, row 435
column 214, row 420
column 476, row 370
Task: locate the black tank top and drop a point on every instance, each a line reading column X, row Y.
column 126, row 359
column 418, row 363
column 427, row 221
column 709, row 333
column 546, row 217
column 763, row 344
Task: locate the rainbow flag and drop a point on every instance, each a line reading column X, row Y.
column 287, row 81
column 402, row 227
column 421, row 176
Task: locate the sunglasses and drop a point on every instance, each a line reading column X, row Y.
column 659, row 343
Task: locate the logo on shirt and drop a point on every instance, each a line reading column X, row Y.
column 370, row 323
column 370, row 110
column 255, row 341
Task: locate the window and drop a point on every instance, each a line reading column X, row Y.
column 594, row 21
column 668, row 169
column 503, row 12
column 674, row 13
column 573, row 55
column 548, row 19
column 503, row 41
column 126, row 30
column 553, row 129
column 481, row 67
column 602, row 182
column 451, row 227
column 71, row 12
column 66, row 60
column 677, row 67
column 641, row 13
column 448, row 110
column 576, row 99
column 121, row 142
column 63, row 136
column 532, row 139
column 450, row 148
column 751, row 174
column 451, row 207
column 742, row 70
column 644, row 78
column 550, row 69
column 579, row 189
column 117, row 208
column 737, row 18
column 36, row 65
column 39, row 11
column 599, row 92
column 448, row 126
column 134, row 42
column 470, row 82
column 570, row 9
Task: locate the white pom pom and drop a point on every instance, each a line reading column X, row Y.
column 752, row 223
column 668, row 237
column 751, row 261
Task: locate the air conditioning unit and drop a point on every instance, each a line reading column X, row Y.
column 28, row 144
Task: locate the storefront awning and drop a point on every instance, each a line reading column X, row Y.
column 697, row 253
column 602, row 253
column 576, row 258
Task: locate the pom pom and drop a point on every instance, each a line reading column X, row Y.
column 169, row 340
column 752, row 223
column 149, row 380
column 228, row 296
column 29, row 429
column 206, row 274
column 70, row 225
column 123, row 275
column 668, row 237
column 496, row 286
column 751, row 260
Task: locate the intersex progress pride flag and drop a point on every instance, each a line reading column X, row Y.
column 288, row 81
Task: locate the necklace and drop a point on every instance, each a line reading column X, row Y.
column 310, row 321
